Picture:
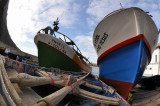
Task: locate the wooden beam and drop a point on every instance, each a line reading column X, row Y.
column 98, row 98
column 57, row 96
column 26, row 80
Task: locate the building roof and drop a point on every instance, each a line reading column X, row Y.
column 158, row 44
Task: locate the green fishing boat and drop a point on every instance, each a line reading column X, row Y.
column 59, row 52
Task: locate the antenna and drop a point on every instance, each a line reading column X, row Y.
column 121, row 6
column 61, row 16
column 57, row 20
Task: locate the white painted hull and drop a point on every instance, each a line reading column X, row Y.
column 122, row 25
column 55, row 43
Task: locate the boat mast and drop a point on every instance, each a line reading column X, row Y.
column 55, row 24
column 48, row 29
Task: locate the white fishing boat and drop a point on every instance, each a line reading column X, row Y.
column 124, row 41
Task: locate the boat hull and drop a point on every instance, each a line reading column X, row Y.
column 123, row 67
column 124, row 41
column 50, row 57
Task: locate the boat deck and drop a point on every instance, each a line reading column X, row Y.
column 146, row 97
column 26, row 93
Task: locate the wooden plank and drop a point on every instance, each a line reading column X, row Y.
column 4, row 91
column 28, row 96
column 2, row 102
column 9, row 85
column 27, row 80
column 39, row 74
column 43, row 73
column 14, row 73
column 147, row 99
column 93, row 86
column 97, row 97
column 108, row 102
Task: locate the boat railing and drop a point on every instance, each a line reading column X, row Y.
column 48, row 30
column 68, row 41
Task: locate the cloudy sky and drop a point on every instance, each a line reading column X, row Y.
column 78, row 19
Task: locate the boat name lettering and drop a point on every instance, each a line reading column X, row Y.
column 57, row 43
column 103, row 39
column 96, row 39
column 98, row 48
column 58, row 46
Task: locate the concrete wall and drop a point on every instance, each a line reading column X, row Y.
column 5, row 39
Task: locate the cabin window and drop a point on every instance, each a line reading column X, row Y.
column 155, row 58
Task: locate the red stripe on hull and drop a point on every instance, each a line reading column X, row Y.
column 124, row 43
column 123, row 88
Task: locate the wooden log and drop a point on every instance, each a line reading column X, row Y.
column 27, row 94
column 42, row 103
column 99, row 100
column 9, row 85
column 39, row 74
column 83, row 77
column 26, row 80
column 93, row 86
column 105, row 92
column 43, row 73
column 57, row 96
column 2, row 101
column 14, row 80
column 12, row 73
column 98, row 97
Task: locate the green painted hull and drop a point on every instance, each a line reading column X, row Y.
column 50, row 57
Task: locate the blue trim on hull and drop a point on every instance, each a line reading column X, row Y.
column 144, row 61
column 125, row 64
